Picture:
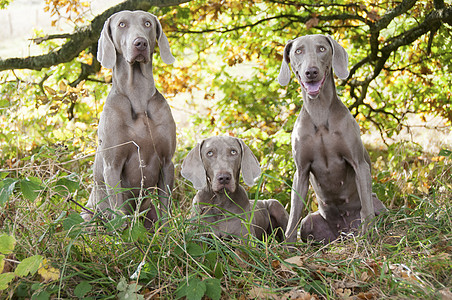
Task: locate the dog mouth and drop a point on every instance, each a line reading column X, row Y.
column 140, row 58
column 223, row 188
column 313, row 87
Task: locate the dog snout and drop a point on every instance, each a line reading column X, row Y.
column 224, row 178
column 140, row 44
column 312, row 73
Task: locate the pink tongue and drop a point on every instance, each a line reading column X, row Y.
column 313, row 87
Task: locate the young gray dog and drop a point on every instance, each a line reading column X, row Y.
column 213, row 167
column 326, row 145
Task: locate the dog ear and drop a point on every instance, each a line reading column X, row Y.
column 106, row 52
column 284, row 72
column 165, row 51
column 340, row 59
column 250, row 165
column 193, row 168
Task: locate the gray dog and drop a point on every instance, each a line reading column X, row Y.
column 327, row 145
column 137, row 133
column 213, row 167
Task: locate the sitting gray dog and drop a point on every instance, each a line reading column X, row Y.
column 137, row 133
column 326, row 145
column 213, row 167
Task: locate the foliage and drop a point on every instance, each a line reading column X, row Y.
column 228, row 56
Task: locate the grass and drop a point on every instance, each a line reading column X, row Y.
column 406, row 254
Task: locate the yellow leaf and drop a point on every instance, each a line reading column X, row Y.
column 63, row 87
column 47, row 272
column 50, row 90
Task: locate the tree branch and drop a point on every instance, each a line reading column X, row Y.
column 85, row 37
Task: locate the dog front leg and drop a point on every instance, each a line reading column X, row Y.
column 364, row 184
column 115, row 195
column 165, row 186
column 298, row 196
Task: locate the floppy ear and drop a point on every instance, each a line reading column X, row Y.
column 165, row 51
column 284, row 72
column 193, row 168
column 250, row 166
column 106, row 52
column 340, row 59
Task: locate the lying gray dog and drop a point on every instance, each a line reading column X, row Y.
column 327, row 145
column 213, row 167
column 137, row 133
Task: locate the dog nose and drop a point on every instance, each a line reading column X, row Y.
column 311, row 73
column 140, row 44
column 224, row 178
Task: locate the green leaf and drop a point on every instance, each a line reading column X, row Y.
column 65, row 186
column 7, row 243
column 194, row 249
column 213, row 288
column 82, row 289
column 28, row 266
column 133, row 233
column 6, row 189
column 445, row 152
column 72, row 224
column 195, row 289
column 29, row 189
column 5, row 279
column 128, row 291
column 72, row 220
column 219, row 270
column 115, row 224
column 42, row 295
column 122, row 284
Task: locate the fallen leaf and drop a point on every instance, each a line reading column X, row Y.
column 299, row 294
column 261, row 293
column 367, row 295
column 344, row 293
column 47, row 272
column 295, row 260
column 446, row 294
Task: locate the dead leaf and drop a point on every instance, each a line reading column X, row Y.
column 373, row 15
column 312, row 22
column 295, row 260
column 261, row 293
column 364, row 276
column 50, row 90
column 62, row 86
column 367, row 295
column 276, row 264
column 446, row 294
column 344, row 293
column 47, row 272
column 299, row 294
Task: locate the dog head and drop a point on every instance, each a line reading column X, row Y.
column 217, row 162
column 312, row 58
column 132, row 34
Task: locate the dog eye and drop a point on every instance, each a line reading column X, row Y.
column 147, row 24
column 122, row 24
column 298, row 51
column 233, row 152
column 210, row 153
column 322, row 49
